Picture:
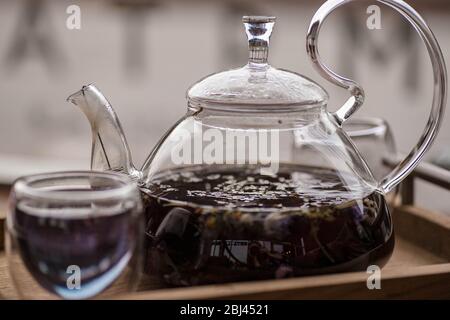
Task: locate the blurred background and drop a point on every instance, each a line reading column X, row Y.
column 144, row 54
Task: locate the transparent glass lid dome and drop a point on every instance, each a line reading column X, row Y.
column 257, row 85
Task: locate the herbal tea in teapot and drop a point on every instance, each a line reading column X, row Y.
column 224, row 224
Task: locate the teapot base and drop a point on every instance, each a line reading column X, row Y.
column 221, row 275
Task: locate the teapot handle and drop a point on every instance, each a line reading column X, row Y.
column 357, row 94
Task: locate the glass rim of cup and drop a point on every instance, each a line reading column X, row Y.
column 125, row 186
column 374, row 126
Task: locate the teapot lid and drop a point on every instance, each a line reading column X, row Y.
column 257, row 85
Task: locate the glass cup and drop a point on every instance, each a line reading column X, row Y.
column 374, row 140
column 74, row 235
column 372, row 137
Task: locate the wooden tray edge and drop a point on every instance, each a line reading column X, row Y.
column 412, row 282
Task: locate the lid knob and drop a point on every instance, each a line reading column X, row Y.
column 258, row 30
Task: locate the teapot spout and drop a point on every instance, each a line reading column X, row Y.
column 110, row 149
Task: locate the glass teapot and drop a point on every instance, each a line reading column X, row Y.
column 225, row 199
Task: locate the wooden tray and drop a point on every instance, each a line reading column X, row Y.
column 419, row 268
